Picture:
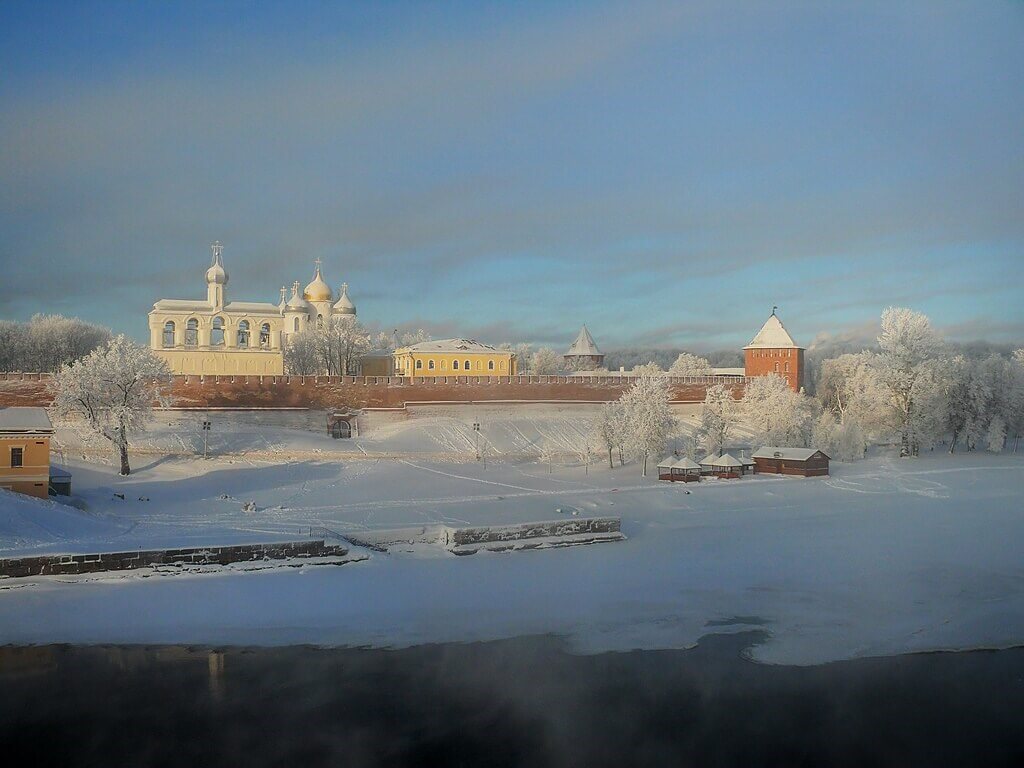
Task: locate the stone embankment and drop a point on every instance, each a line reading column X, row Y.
column 50, row 565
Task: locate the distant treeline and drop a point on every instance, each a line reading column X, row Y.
column 46, row 342
column 629, row 358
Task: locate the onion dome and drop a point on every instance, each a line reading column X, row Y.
column 296, row 303
column 344, row 305
column 317, row 290
column 216, row 273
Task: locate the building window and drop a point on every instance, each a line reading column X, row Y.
column 217, row 334
column 168, row 334
column 787, row 366
column 419, row 365
column 479, row 364
column 467, row 365
column 17, row 457
column 444, row 364
column 430, row 365
column 265, row 335
column 776, row 366
column 192, row 333
column 295, row 325
column 243, row 334
column 455, row 365
column 319, row 321
column 490, row 365
column 503, row 365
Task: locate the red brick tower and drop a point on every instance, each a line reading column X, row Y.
column 773, row 350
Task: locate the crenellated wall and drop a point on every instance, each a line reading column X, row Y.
column 327, row 392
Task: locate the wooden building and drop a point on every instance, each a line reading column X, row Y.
column 805, row 462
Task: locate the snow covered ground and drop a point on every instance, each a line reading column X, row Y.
column 885, row 556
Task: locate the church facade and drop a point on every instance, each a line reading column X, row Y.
column 218, row 336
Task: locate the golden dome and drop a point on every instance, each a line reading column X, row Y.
column 317, row 290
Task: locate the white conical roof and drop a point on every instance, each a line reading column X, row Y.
column 773, row 335
column 584, row 344
column 344, row 304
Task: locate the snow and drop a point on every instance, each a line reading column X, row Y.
column 778, row 452
column 885, row 556
column 773, row 335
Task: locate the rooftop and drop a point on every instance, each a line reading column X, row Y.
column 584, row 345
column 776, row 452
column 22, row 419
column 773, row 335
column 452, row 345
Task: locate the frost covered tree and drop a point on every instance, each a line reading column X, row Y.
column 611, row 430
column 849, row 387
column 523, row 353
column 649, row 418
column 648, row 369
column 1015, row 424
column 842, row 441
column 331, row 349
column 47, row 342
column 718, row 418
column 300, row 355
column 545, row 362
column 777, row 414
column 113, row 389
column 341, row 342
column 690, row 365
column 907, row 370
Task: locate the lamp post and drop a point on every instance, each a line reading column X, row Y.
column 476, row 430
column 206, row 433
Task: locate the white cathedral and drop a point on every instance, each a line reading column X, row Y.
column 217, row 336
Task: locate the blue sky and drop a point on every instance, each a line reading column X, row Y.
column 664, row 172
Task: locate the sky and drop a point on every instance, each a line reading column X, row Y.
column 664, row 172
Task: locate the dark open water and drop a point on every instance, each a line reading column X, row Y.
column 524, row 702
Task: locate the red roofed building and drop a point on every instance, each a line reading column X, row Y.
column 773, row 350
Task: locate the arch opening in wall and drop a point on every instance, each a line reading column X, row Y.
column 168, row 339
column 217, row 332
column 192, row 332
column 243, row 334
column 295, row 325
column 264, row 335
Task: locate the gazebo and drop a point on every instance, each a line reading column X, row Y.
column 726, row 466
column 676, row 469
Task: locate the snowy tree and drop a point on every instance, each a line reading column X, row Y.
column 1015, row 422
column 545, row 362
column 842, row 441
column 342, row 341
column 610, row 430
column 690, row 365
column 301, row 357
column 778, row 415
column 650, row 421
column 717, row 418
column 334, row 348
column 907, row 370
column 524, row 356
column 648, row 369
column 113, row 389
column 849, row 387
column 418, row 336
column 47, row 342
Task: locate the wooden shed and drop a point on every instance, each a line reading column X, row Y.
column 804, row 462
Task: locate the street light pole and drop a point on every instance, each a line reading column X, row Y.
column 206, row 432
column 476, row 430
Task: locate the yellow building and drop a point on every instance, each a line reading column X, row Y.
column 453, row 357
column 25, row 450
column 217, row 336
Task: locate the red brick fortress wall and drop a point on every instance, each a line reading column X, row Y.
column 329, row 392
column 761, row 362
